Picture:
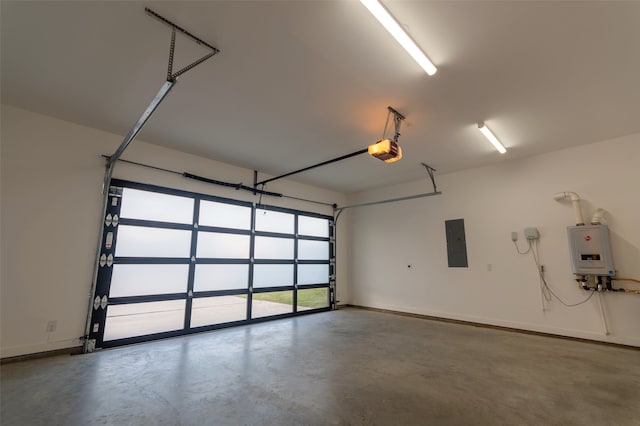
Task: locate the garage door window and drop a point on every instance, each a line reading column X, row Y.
column 174, row 262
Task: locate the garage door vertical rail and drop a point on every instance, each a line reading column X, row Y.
column 333, row 302
column 106, row 256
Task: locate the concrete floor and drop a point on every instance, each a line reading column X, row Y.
column 347, row 367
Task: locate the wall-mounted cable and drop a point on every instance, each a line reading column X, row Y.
column 518, row 248
column 546, row 289
column 546, row 292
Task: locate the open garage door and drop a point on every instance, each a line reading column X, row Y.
column 174, row 262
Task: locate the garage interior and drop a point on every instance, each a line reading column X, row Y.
column 195, row 208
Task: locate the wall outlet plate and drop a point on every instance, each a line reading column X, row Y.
column 531, row 233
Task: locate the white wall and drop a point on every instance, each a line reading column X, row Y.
column 51, row 177
column 494, row 201
column 51, row 206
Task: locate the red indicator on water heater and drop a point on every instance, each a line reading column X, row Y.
column 588, row 238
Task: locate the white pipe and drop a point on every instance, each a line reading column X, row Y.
column 575, row 200
column 540, row 275
column 597, row 216
column 577, row 209
column 604, row 320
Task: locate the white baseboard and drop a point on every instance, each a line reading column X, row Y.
column 12, row 351
column 580, row 334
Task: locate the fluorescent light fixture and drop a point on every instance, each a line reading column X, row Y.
column 492, row 138
column 377, row 9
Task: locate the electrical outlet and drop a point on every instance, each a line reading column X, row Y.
column 514, row 236
column 51, row 326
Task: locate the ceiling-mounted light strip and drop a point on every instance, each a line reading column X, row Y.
column 377, row 9
column 492, row 138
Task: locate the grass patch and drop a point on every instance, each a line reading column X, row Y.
column 285, row 297
column 313, row 298
column 307, row 298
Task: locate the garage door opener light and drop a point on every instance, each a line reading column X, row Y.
column 385, row 149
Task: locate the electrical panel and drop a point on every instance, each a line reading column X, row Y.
column 590, row 250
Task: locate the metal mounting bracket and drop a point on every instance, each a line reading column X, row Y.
column 397, row 120
column 172, row 78
column 430, row 171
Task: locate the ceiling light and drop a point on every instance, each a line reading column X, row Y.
column 492, row 138
column 377, row 9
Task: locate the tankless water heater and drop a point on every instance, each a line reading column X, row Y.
column 590, row 250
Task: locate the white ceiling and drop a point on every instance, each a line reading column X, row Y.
column 300, row 82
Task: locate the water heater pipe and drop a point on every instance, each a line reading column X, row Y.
column 575, row 200
column 597, row 216
column 604, row 319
